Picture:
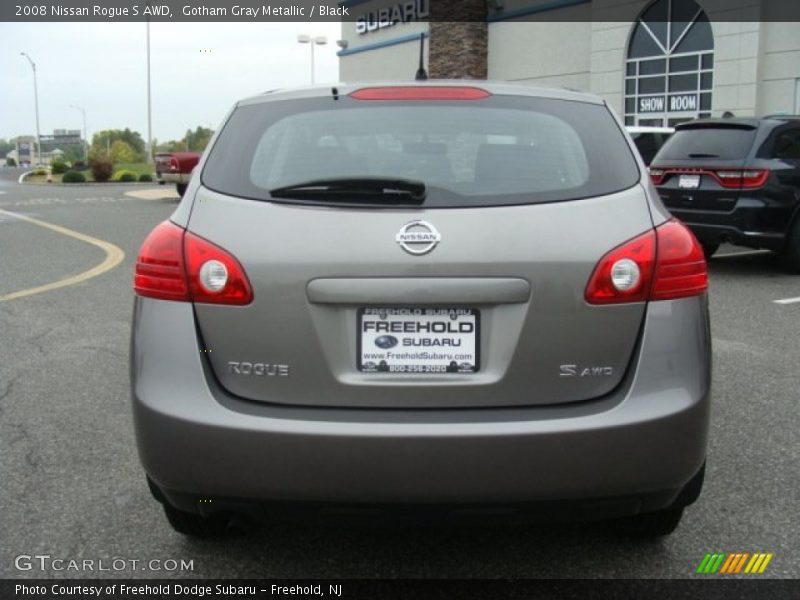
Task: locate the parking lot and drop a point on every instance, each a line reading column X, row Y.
column 73, row 487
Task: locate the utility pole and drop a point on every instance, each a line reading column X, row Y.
column 36, row 103
column 149, row 102
column 312, row 41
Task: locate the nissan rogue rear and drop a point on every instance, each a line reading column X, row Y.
column 442, row 295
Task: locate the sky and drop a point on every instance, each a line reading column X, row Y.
column 198, row 71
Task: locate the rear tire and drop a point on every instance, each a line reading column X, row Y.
column 791, row 252
column 193, row 525
column 709, row 250
column 653, row 524
column 181, row 187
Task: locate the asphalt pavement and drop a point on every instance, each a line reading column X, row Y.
column 72, row 486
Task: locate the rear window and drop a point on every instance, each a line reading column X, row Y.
column 725, row 143
column 649, row 143
column 499, row 150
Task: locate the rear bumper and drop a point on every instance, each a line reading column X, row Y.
column 721, row 234
column 633, row 450
column 175, row 177
column 753, row 222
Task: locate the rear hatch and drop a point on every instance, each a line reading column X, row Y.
column 700, row 167
column 468, row 294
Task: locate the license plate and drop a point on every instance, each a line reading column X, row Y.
column 418, row 340
column 689, row 182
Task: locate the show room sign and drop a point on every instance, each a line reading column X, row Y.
column 392, row 14
column 674, row 103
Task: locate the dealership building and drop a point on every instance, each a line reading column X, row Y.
column 668, row 61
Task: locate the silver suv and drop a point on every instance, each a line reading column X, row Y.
column 443, row 294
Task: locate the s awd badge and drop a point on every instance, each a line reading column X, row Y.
column 585, row 371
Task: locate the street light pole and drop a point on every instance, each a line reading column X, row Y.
column 85, row 137
column 149, row 103
column 36, row 103
column 320, row 40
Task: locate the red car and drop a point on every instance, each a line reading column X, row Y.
column 176, row 167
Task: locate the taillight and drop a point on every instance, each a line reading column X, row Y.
column 160, row 271
column 661, row 264
column 215, row 276
column 604, row 287
column 174, row 264
column 681, row 268
column 173, row 164
column 657, row 176
column 420, row 93
column 727, row 178
column 747, row 179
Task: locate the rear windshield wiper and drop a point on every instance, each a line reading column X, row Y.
column 356, row 189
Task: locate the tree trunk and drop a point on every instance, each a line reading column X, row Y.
column 458, row 48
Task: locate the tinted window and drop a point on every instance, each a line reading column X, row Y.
column 648, row 144
column 724, row 143
column 787, row 145
column 501, row 150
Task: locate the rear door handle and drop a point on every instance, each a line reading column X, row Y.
column 419, row 290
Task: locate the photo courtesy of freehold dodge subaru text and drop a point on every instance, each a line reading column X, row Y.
column 380, row 275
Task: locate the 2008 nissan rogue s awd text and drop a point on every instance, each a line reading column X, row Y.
column 439, row 294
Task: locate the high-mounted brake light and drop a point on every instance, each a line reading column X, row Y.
column 174, row 264
column 425, row 92
column 661, row 264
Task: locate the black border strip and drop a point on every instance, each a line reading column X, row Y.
column 405, row 589
column 445, row 11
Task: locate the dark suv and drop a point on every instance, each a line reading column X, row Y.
column 735, row 180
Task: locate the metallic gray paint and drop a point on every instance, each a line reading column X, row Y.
column 513, row 432
column 648, row 435
column 553, row 247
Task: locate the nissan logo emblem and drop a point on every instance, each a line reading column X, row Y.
column 418, row 237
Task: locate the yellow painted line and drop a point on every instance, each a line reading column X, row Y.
column 753, row 561
column 766, row 562
column 114, row 256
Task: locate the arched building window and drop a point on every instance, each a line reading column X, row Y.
column 670, row 64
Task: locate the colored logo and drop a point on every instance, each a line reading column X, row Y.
column 734, row 563
column 386, row 341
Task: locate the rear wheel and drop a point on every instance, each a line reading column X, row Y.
column 653, row 524
column 710, row 249
column 791, row 252
column 181, row 187
column 195, row 525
